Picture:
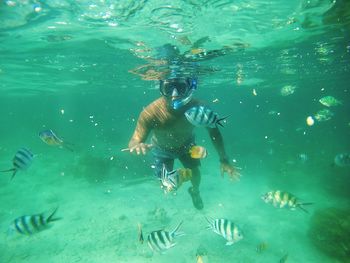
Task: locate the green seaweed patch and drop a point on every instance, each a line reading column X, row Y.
column 330, row 232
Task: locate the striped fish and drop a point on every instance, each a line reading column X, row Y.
column 31, row 224
column 162, row 240
column 227, row 229
column 50, row 138
column 342, row 159
column 202, row 116
column 169, row 179
column 283, row 199
column 21, row 161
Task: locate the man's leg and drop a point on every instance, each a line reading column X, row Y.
column 193, row 164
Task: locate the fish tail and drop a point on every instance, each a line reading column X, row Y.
column 68, row 146
column 302, row 208
column 218, row 122
column 14, row 173
column 51, row 217
column 8, row 170
column 210, row 222
column 14, row 170
column 176, row 232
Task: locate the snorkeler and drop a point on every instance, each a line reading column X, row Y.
column 173, row 134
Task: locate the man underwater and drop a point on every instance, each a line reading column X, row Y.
column 173, row 135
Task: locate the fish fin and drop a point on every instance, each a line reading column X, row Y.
column 14, row 173
column 68, row 146
column 14, row 170
column 210, row 222
column 218, row 122
column 229, row 243
column 302, row 208
column 176, row 232
column 140, row 233
column 173, row 178
column 8, row 170
column 51, row 217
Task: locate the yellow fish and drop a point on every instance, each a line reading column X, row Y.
column 200, row 259
column 50, row 138
column 196, row 51
column 261, row 247
column 283, row 199
column 198, row 152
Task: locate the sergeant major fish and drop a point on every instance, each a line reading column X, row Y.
column 21, row 161
column 172, row 180
column 169, row 180
column 283, row 199
column 202, row 116
column 162, row 240
column 226, row 229
column 31, row 224
column 50, row 138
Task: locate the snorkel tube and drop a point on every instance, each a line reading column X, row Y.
column 177, row 104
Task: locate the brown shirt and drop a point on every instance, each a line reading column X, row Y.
column 171, row 129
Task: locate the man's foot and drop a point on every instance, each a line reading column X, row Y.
column 196, row 198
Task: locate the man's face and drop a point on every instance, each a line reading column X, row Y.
column 174, row 89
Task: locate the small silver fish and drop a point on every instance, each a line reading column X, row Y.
column 287, row 90
column 283, row 199
column 330, row 101
column 21, row 161
column 342, row 159
column 225, row 228
column 31, row 224
column 162, row 240
column 202, row 116
column 303, row 157
column 324, row 115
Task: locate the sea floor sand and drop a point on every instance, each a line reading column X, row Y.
column 99, row 219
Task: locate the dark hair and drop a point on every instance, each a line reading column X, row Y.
column 187, row 80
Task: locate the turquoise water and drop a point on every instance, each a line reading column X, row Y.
column 84, row 70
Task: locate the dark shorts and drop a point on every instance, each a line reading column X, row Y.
column 167, row 158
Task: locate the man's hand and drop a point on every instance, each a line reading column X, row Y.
column 139, row 148
column 232, row 171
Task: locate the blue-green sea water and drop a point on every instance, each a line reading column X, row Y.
column 86, row 69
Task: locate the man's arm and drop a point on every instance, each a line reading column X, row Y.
column 218, row 142
column 225, row 165
column 142, row 130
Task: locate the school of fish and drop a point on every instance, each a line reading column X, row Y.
column 162, row 240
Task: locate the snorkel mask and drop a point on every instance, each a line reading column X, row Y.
column 178, row 87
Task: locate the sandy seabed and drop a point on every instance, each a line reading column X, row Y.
column 100, row 217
